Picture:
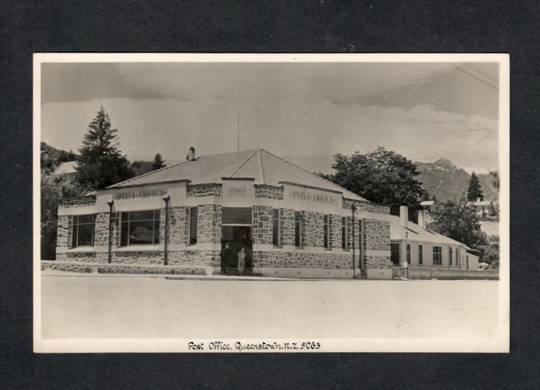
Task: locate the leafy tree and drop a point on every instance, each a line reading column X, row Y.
column 53, row 190
column 139, row 167
column 158, row 162
column 459, row 222
column 66, row 156
column 475, row 189
column 101, row 162
column 382, row 176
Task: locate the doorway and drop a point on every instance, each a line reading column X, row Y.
column 233, row 239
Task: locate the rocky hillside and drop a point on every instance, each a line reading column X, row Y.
column 446, row 181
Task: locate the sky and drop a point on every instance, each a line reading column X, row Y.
column 305, row 112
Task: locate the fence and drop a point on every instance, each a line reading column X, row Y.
column 429, row 273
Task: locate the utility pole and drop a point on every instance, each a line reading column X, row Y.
column 166, row 238
column 109, row 252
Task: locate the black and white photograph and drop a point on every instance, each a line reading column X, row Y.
column 271, row 203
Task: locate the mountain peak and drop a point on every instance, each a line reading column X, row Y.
column 445, row 162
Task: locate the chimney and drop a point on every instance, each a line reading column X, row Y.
column 404, row 215
column 191, row 154
column 422, row 218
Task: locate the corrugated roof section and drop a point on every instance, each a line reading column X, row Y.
column 414, row 232
column 263, row 166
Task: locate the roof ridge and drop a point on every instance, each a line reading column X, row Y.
column 245, row 161
column 261, row 170
column 167, row 167
column 311, row 173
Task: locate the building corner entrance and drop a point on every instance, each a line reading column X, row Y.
column 236, row 241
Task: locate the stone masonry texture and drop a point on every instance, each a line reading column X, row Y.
column 299, row 259
column 262, row 224
column 270, row 192
column 377, row 234
column 287, row 227
column 209, row 223
column 198, row 190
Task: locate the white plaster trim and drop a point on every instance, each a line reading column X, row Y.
column 204, row 246
column 140, row 248
column 79, row 249
column 77, row 210
column 156, row 203
column 292, row 248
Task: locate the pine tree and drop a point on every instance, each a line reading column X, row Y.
column 475, row 189
column 158, row 162
column 101, row 162
column 460, row 223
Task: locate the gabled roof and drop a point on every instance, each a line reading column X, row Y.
column 414, row 232
column 263, row 166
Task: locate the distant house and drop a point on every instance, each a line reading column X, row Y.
column 66, row 169
column 428, row 205
column 420, row 247
column 482, row 208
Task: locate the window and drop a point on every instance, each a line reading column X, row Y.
column 139, row 228
column 394, row 253
column 326, row 224
column 344, row 233
column 236, row 216
column 193, row 224
column 82, row 230
column 420, row 254
column 409, row 253
column 437, row 255
column 298, row 229
column 275, row 227
column 450, row 260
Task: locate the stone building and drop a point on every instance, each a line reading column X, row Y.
column 179, row 219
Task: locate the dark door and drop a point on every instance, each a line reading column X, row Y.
column 233, row 239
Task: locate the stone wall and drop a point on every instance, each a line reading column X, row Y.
column 286, row 228
column 83, row 257
column 63, row 233
column 299, row 259
column 366, row 206
column 101, row 231
column 335, row 231
column 178, row 225
column 80, row 201
column 198, row 190
column 378, row 262
column 262, row 224
column 122, row 268
column 203, row 258
column 209, row 223
column 313, row 229
column 377, row 234
column 270, row 192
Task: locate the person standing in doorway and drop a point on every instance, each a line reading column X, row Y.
column 241, row 261
column 226, row 258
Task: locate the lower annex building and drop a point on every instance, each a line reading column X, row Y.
column 197, row 215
